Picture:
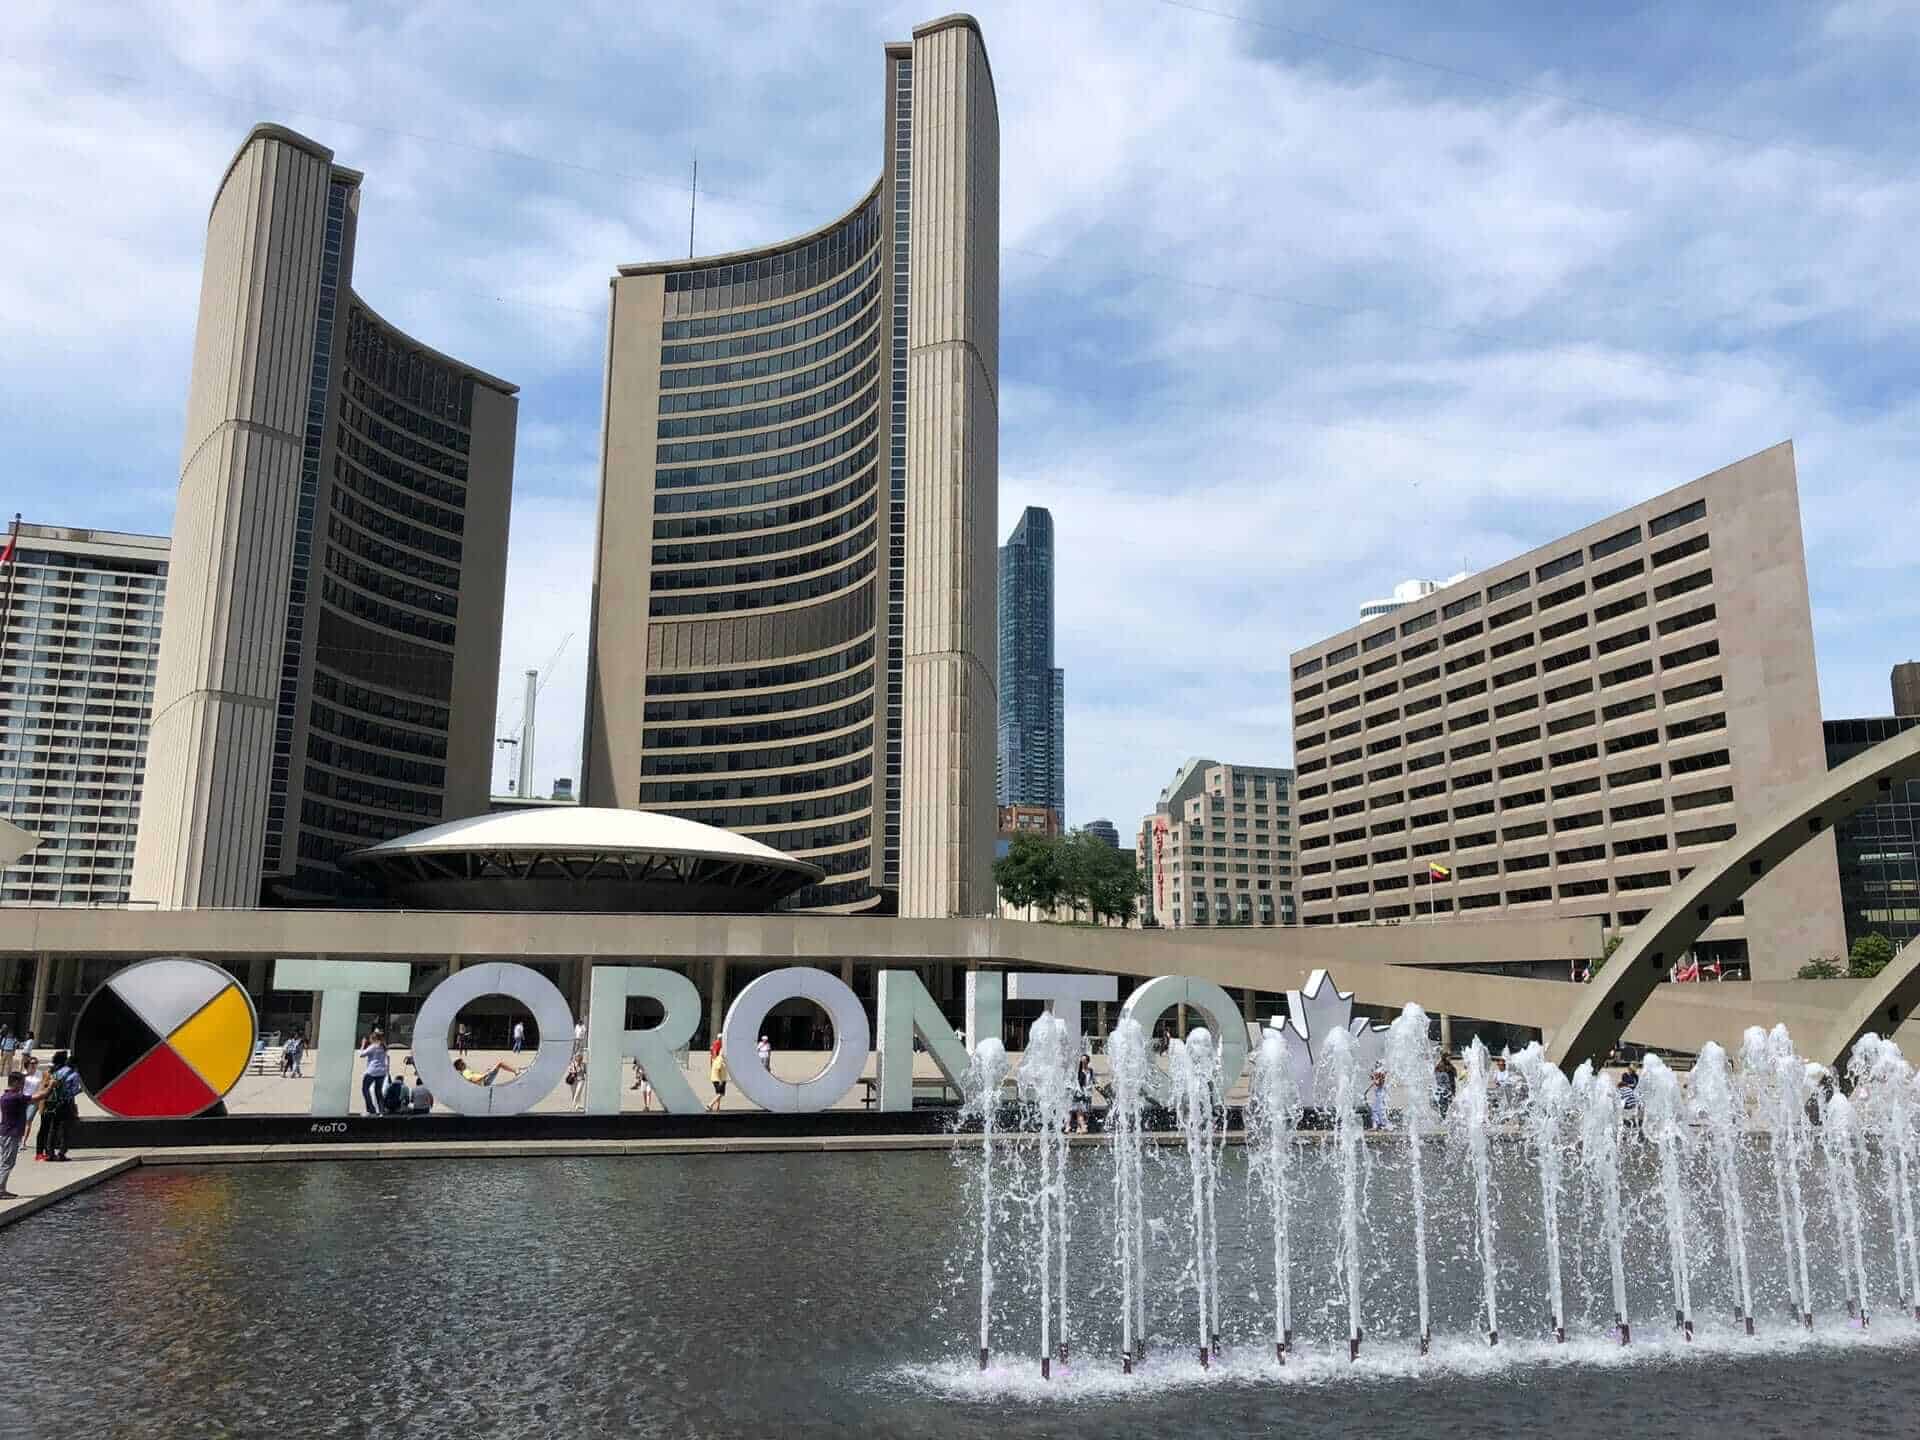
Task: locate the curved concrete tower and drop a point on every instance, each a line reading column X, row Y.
column 794, row 601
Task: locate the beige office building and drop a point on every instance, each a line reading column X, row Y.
column 1218, row 847
column 81, row 637
column 794, row 609
column 330, row 652
column 1571, row 732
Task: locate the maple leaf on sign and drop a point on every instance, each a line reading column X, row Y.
column 1314, row 1012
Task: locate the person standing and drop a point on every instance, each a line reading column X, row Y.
column 643, row 1085
column 580, row 1037
column 1377, row 1101
column 57, row 1104
column 1444, row 1084
column 717, row 1076
column 519, row 1036
column 294, row 1055
column 15, row 1111
column 765, row 1051
column 374, row 1052
column 7, row 1047
column 460, row 1040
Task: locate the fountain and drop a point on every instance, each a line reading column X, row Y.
column 1046, row 1079
column 1549, row 1105
column 1274, row 1112
column 985, row 1077
column 1720, row 1111
column 1666, row 1127
column 1195, row 1073
column 1411, row 1059
column 1471, row 1117
column 1667, row 1163
column 1127, row 1065
column 1339, row 1078
column 1597, row 1101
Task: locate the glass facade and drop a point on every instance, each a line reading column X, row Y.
column 378, row 719
column 1031, row 766
column 807, row 536
column 1879, row 846
column 81, row 638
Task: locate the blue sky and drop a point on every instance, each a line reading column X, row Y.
column 1295, row 305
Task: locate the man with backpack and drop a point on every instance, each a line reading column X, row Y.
column 58, row 1101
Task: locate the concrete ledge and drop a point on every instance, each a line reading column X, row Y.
column 86, row 1174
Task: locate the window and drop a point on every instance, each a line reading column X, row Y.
column 1424, row 732
column 1619, row 573
column 1679, row 552
column 1698, row 580
column 1520, row 737
column 1686, row 620
column 1558, row 567
column 1509, row 615
column 1526, row 831
column 1636, row 671
column 1432, row 788
column 1614, row 544
column 1550, row 633
column 1467, row 721
column 1674, row 519
column 1374, row 667
column 1581, row 855
column 1580, row 720
column 1569, row 690
column 1619, row 744
column 1473, row 811
column 1472, row 781
column 1576, row 787
column 1700, row 725
column 1523, row 799
column 1586, row 820
column 1561, row 597
column 1472, row 687
column 1673, row 659
column 1575, row 756
column 1430, row 819
column 1689, row 764
column 1516, row 706
column 1467, row 752
column 1614, row 643
column 1479, row 870
column 1375, row 641
column 1575, row 889
column 1422, row 677
column 1465, row 662
column 1465, row 632
column 1379, row 691
column 1342, row 655
column 1418, row 623
column 1522, row 767
column 1514, row 676
column 1504, row 588
column 1623, row 708
column 1639, row 810
column 1479, row 902
column 1385, row 772
column 1454, row 609
column 1565, row 658
column 1646, row 880
column 1638, row 775
column 1507, row 647
column 1530, row 894
column 1474, row 841
column 1614, row 609
column 1432, row 847
column 1639, row 845
column 1305, row 668
column 1699, row 799
column 1709, row 835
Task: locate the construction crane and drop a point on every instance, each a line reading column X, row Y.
column 521, row 739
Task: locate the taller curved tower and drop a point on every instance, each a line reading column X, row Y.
column 794, row 596
column 330, row 649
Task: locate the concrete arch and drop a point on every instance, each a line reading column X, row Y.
column 1883, row 1007
column 1600, row 1017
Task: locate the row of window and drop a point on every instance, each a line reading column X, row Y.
column 449, row 437
column 782, row 273
column 799, row 383
column 774, row 517
column 763, row 543
column 420, row 482
column 773, row 314
column 392, row 587
column 765, row 366
column 402, row 502
column 774, row 757
column 763, row 442
column 756, row 787
column 391, row 557
column 781, row 566
column 406, row 709
column 414, row 451
column 741, row 704
column 377, row 763
column 326, row 719
column 793, row 672
column 363, row 606
column 771, row 465
column 790, row 488
column 388, row 527
column 711, row 736
column 718, row 602
column 761, row 341
column 727, row 421
column 405, row 372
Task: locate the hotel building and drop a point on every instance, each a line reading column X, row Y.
column 794, row 608
column 1569, row 732
column 1218, row 848
column 329, row 658
column 81, row 636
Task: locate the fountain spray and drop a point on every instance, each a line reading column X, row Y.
column 1411, row 1058
column 1549, row 1103
column 1472, row 1115
column 1046, row 1078
column 1339, row 1076
column 984, row 1079
column 1718, row 1107
column 1195, row 1072
column 1127, row 1063
column 1887, row 1113
column 1790, row 1094
column 1597, row 1102
column 1275, row 1107
column 1839, row 1147
column 1666, row 1127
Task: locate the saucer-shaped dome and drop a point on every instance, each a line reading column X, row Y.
column 572, row 858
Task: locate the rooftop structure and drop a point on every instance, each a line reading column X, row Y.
column 568, row 858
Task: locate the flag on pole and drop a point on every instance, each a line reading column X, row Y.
column 1438, row 872
column 6, row 555
column 1688, row 969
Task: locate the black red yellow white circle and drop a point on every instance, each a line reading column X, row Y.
column 164, row 1039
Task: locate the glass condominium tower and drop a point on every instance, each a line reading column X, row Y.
column 1032, row 768
column 793, row 620
column 330, row 651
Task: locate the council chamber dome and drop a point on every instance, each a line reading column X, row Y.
column 571, row 859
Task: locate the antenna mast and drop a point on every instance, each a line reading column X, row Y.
column 693, row 200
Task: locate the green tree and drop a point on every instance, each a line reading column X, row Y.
column 1869, row 956
column 1028, row 875
column 1822, row 967
column 1606, row 953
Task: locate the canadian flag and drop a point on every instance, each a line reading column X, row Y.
column 1687, row 970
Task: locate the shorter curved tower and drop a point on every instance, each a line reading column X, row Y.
column 329, row 654
column 793, row 629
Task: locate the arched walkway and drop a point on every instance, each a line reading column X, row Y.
column 1600, row 1016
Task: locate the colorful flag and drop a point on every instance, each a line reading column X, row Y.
column 1688, row 969
column 1438, row 872
column 6, row 555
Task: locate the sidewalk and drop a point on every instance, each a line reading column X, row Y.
column 38, row 1183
